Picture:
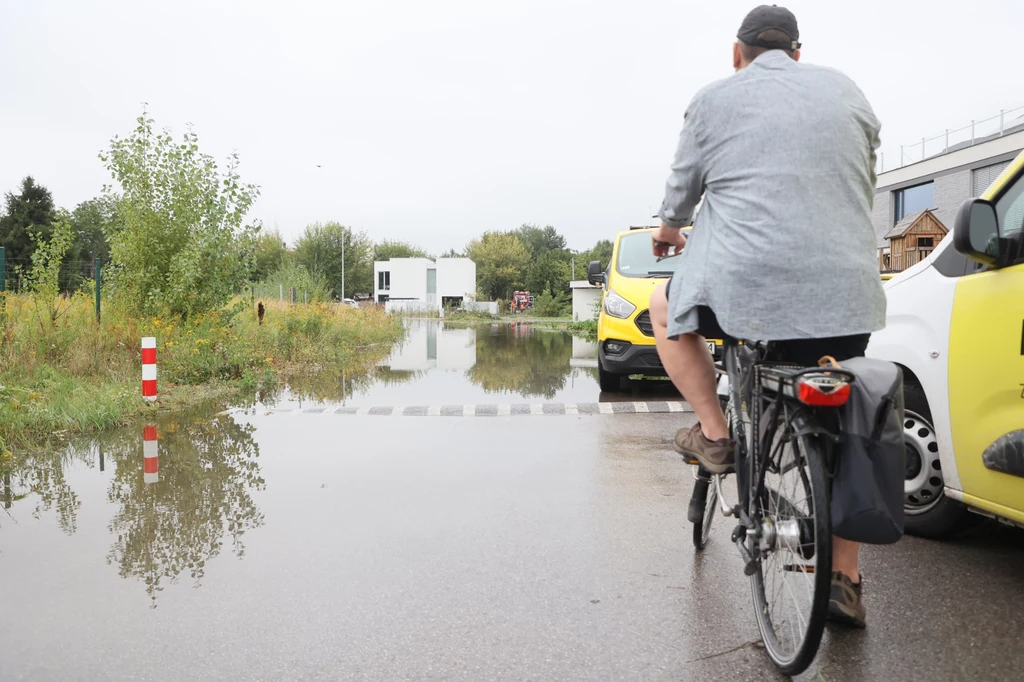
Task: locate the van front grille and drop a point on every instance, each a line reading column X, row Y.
column 643, row 323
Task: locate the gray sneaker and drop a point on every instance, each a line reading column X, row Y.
column 715, row 456
column 845, row 605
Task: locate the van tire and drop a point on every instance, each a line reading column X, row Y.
column 610, row 383
column 947, row 517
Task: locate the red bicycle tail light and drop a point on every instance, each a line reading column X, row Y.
column 823, row 391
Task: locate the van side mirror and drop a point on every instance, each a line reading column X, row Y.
column 594, row 273
column 976, row 231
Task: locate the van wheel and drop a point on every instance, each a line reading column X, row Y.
column 927, row 511
column 610, row 383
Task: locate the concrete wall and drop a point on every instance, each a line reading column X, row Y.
column 881, row 216
column 456, row 277
column 585, row 298
column 490, row 307
column 950, row 192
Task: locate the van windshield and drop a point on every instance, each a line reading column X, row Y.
column 635, row 258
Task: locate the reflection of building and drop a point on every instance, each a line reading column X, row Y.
column 424, row 284
column 431, row 345
column 584, row 353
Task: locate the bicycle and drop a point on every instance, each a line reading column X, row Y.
column 782, row 532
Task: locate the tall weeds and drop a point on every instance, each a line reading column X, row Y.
column 72, row 374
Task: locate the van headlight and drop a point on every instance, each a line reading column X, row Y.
column 616, row 306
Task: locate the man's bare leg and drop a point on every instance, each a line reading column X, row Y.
column 690, row 367
column 844, row 558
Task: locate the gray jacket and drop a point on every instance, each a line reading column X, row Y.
column 783, row 154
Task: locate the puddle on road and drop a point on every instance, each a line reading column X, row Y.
column 450, row 364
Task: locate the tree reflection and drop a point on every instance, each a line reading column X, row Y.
column 518, row 358
column 42, row 474
column 336, row 382
column 208, row 469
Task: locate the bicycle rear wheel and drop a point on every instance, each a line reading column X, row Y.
column 791, row 585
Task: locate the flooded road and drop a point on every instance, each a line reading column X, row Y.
column 258, row 545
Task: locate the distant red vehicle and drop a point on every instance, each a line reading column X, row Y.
column 521, row 301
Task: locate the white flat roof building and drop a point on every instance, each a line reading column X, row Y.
column 424, row 284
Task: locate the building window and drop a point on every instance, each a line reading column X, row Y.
column 384, row 280
column 981, row 178
column 912, row 200
column 925, row 242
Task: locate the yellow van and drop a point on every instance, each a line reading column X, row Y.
column 625, row 337
column 956, row 327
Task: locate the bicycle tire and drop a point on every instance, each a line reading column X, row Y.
column 702, row 529
column 794, row 662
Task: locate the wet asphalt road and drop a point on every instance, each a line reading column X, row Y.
column 547, row 547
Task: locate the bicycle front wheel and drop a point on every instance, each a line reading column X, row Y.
column 702, row 528
column 791, row 585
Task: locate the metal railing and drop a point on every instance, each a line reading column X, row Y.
column 954, row 139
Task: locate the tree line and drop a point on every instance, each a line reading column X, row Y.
column 174, row 238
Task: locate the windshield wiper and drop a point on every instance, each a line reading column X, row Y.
column 661, row 273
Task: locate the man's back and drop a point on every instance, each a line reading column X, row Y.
column 783, row 246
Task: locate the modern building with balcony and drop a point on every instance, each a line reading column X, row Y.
column 916, row 203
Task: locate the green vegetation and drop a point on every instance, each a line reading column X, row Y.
column 585, row 328
column 71, row 375
column 180, row 244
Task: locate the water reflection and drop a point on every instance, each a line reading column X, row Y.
column 518, row 358
column 208, row 471
column 450, row 363
column 38, row 480
column 182, row 489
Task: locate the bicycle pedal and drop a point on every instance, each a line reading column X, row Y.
column 798, row 568
column 692, row 460
column 751, row 568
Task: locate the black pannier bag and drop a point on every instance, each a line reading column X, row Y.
column 870, row 463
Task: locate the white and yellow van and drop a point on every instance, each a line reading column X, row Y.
column 955, row 324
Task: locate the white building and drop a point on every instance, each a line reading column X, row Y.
column 424, row 284
column 586, row 297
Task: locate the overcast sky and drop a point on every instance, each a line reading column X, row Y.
column 434, row 121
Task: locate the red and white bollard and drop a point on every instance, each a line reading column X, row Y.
column 150, row 463
column 149, row 368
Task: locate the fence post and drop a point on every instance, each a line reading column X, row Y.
column 282, row 292
column 901, row 156
column 149, row 368
column 972, row 132
column 293, row 295
column 99, row 276
column 1001, row 112
column 947, row 141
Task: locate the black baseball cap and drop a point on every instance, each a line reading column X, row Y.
column 770, row 18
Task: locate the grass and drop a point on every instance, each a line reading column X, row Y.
column 61, row 373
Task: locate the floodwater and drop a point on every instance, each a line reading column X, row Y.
column 261, row 545
column 452, row 363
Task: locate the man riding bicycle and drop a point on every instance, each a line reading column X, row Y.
column 783, row 248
